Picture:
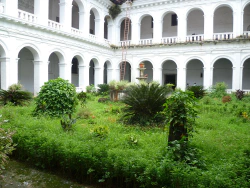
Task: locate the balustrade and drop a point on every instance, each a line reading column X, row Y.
column 223, row 36
column 246, row 34
column 146, row 42
column 169, row 40
column 194, row 38
column 93, row 37
column 76, row 31
column 125, row 43
column 55, row 25
column 27, row 16
column 1, row 8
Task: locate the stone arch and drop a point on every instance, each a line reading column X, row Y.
column 94, row 66
column 33, row 49
column 77, row 70
column 122, row 28
column 94, row 21
column 222, row 57
column 147, row 25
column 127, row 70
column 169, row 71
column 195, row 25
column 148, row 72
column 223, row 18
column 169, row 24
column 107, row 29
column 107, row 71
column 56, row 60
column 246, row 17
column 194, row 72
column 223, row 71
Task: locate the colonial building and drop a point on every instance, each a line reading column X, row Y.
column 180, row 41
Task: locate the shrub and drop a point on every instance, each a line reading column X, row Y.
column 114, row 11
column 239, row 94
column 67, row 123
column 206, row 100
column 218, row 90
column 15, row 95
column 91, row 89
column 115, row 87
column 144, row 102
column 198, row 91
column 82, row 97
column 100, row 131
column 226, row 98
column 180, row 113
column 103, row 89
column 56, row 98
column 6, row 146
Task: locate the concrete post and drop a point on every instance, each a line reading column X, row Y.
column 41, row 9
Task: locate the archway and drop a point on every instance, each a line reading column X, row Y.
column 246, row 75
column 107, row 29
column 223, row 21
column 147, row 27
column 195, row 25
column 170, row 23
column 169, row 72
column 75, row 15
column 148, row 71
column 127, row 75
column 107, row 72
column 223, row 72
column 122, row 26
column 75, row 72
column 94, row 22
column 195, row 73
column 246, row 24
column 54, row 10
column 54, row 69
column 26, row 68
column 2, row 68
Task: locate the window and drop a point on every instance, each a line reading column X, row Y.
column 174, row 20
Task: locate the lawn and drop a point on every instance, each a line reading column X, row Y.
column 100, row 149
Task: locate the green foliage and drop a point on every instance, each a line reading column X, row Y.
column 6, row 146
column 67, row 123
column 116, row 87
column 218, row 90
column 91, row 89
column 180, row 113
column 239, row 94
column 206, row 100
column 198, row 91
column 144, row 102
column 103, row 89
column 56, row 98
column 82, row 97
column 114, row 11
column 100, row 131
column 15, row 95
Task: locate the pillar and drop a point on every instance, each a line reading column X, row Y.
column 181, row 78
column 41, row 9
column 237, row 24
column 208, row 26
column 98, row 79
column 236, row 78
column 81, row 21
column 157, row 30
column 81, row 75
column 135, row 31
column 182, row 27
column 39, row 76
column 5, row 76
column 14, row 70
column 66, row 14
column 62, row 71
column 157, row 75
column 11, row 8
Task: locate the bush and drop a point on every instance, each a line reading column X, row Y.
column 206, row 100
column 56, row 98
column 6, row 146
column 198, row 91
column 144, row 102
column 218, row 90
column 91, row 89
column 15, row 95
column 82, row 97
column 103, row 89
column 239, row 94
column 226, row 98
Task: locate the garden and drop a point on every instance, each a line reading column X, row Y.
column 151, row 137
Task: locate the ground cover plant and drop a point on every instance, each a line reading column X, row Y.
column 102, row 150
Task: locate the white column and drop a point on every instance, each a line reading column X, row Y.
column 208, row 26
column 39, row 76
column 62, row 70
column 5, row 76
column 237, row 24
column 135, row 32
column 157, row 74
column 11, row 7
column 211, row 76
column 86, row 23
column 97, row 27
column 241, row 78
column 206, row 77
column 181, row 78
column 81, row 75
column 14, row 71
column 182, row 27
column 109, row 74
column 236, row 78
column 86, row 77
column 157, row 33
column 66, row 14
column 41, row 9
column 111, row 37
column 98, row 76
column 81, row 21
column 100, row 27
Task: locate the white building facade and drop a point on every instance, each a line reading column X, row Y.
column 180, row 41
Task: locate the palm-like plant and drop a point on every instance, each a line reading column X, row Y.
column 144, row 102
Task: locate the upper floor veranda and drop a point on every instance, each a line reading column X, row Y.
column 152, row 22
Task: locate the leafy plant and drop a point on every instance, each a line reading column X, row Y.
column 82, row 97
column 218, row 90
column 6, row 146
column 67, row 123
column 91, row 89
column 180, row 113
column 56, row 98
column 114, row 11
column 15, row 95
column 103, row 89
column 144, row 102
column 198, row 91
column 239, row 94
column 226, row 99
column 116, row 87
column 206, row 100
column 100, row 131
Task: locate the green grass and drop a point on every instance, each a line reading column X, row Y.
column 132, row 156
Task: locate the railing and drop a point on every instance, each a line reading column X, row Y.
column 194, row 38
column 93, row 37
column 146, row 42
column 76, row 31
column 125, row 43
column 223, row 36
column 169, row 40
column 27, row 16
column 1, row 8
column 246, row 34
column 55, row 25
